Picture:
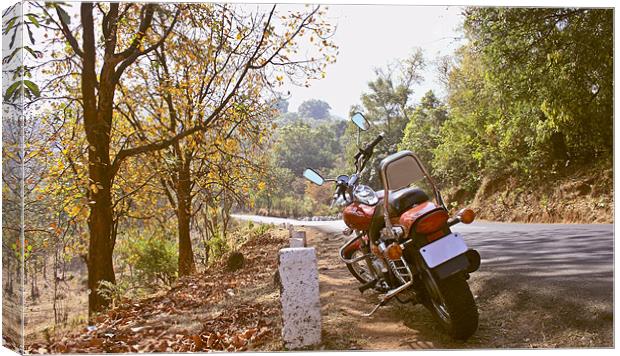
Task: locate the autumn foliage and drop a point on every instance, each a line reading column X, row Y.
column 147, row 117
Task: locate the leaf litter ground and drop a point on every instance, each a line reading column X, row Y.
column 212, row 311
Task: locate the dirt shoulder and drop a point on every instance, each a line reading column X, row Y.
column 217, row 310
column 238, row 311
column 513, row 313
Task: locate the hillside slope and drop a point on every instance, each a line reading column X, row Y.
column 584, row 196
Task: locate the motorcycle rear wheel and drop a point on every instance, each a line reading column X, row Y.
column 452, row 305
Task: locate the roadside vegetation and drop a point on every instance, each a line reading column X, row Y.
column 147, row 124
column 527, row 109
column 150, row 124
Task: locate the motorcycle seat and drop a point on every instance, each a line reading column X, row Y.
column 403, row 199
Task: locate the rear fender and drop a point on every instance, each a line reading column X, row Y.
column 451, row 267
column 467, row 262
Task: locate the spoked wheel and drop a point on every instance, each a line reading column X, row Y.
column 359, row 269
column 452, row 304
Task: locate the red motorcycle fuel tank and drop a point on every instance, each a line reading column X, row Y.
column 358, row 216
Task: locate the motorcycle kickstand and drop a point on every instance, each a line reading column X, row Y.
column 388, row 296
column 382, row 303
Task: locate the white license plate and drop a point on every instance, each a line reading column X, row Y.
column 444, row 249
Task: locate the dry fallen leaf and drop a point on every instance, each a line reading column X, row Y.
column 137, row 329
column 250, row 332
column 197, row 342
column 96, row 342
column 210, row 341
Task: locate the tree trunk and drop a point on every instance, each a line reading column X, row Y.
column 8, row 266
column 184, row 203
column 100, row 267
column 98, row 107
column 45, row 268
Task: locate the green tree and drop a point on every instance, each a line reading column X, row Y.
column 301, row 146
column 387, row 105
column 530, row 93
column 422, row 131
column 313, row 108
column 555, row 65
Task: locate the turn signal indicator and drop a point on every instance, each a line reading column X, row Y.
column 393, row 252
column 466, row 215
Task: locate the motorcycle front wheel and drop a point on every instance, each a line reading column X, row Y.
column 359, row 269
column 452, row 305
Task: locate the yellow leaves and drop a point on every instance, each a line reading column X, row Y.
column 72, row 211
column 60, row 165
column 75, row 211
column 95, row 187
column 212, row 210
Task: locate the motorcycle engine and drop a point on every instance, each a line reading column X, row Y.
column 397, row 232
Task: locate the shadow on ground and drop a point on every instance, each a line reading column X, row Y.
column 537, row 288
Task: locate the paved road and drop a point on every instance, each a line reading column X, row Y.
column 539, row 285
column 549, row 252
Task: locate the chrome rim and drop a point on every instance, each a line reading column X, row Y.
column 360, row 266
column 437, row 299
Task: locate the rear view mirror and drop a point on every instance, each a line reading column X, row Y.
column 360, row 121
column 313, row 176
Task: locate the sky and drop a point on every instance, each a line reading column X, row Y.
column 371, row 36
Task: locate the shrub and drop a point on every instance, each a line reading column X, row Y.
column 146, row 257
column 156, row 260
column 217, row 246
column 113, row 293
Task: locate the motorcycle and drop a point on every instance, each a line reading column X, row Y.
column 401, row 244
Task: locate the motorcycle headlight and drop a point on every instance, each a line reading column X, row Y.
column 340, row 201
column 365, row 195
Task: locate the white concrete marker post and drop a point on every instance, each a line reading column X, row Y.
column 299, row 295
column 300, row 234
column 297, row 239
column 295, row 242
column 289, row 227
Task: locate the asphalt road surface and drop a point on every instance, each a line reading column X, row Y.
column 561, row 251
column 539, row 285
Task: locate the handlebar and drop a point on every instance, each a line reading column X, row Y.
column 342, row 187
column 371, row 146
column 367, row 152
